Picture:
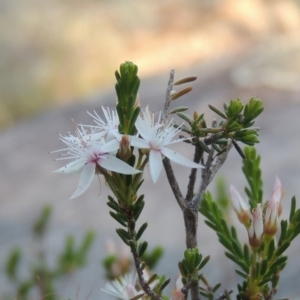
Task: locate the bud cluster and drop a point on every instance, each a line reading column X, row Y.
column 260, row 221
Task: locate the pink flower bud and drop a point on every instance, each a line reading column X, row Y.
column 278, row 195
column 273, row 209
column 241, row 208
column 125, row 150
column 256, row 228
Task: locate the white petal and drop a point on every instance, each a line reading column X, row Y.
column 143, row 128
column 155, row 164
column 179, row 159
column 72, row 167
column 139, row 143
column 85, row 179
column 114, row 164
column 110, row 146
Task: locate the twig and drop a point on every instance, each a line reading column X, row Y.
column 145, row 286
column 167, row 165
column 224, row 295
column 193, row 175
column 190, row 215
column 209, row 173
column 185, row 290
column 168, row 93
column 137, row 263
column 174, row 184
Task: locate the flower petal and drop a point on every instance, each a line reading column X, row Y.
column 179, row 159
column 110, row 146
column 85, row 180
column 143, row 127
column 155, row 164
column 72, row 167
column 114, row 164
column 139, row 143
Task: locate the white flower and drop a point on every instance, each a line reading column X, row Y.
column 123, row 287
column 155, row 137
column 109, row 128
column 88, row 152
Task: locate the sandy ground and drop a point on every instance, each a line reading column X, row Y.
column 26, row 181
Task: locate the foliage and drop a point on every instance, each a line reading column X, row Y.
column 132, row 138
column 260, row 266
column 43, row 278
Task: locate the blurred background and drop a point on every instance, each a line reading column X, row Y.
column 58, row 58
column 57, row 52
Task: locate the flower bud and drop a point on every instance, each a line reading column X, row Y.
column 177, row 293
column 278, row 195
column 125, row 149
column 241, row 208
column 273, row 209
column 256, row 228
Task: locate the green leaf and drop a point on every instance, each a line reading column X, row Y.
column 217, row 111
column 264, row 266
column 138, row 209
column 151, row 259
column 178, row 109
column 282, row 248
column 234, row 108
column 204, row 262
column 181, row 93
column 152, row 279
column 247, row 254
column 293, row 208
column 142, row 248
column 163, row 285
column 252, row 110
column 185, row 80
column 237, row 248
column 241, row 273
column 216, row 287
column 271, row 249
column 40, row 226
column 133, row 119
column 13, row 263
column 123, row 235
column 141, row 231
column 237, row 261
column 113, row 206
column 284, row 226
column 118, row 218
column 185, row 118
column 277, row 264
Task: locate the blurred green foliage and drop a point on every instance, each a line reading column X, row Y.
column 42, row 278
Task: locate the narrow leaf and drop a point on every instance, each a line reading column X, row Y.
column 185, row 80
column 181, row 93
column 141, row 231
column 217, row 111
column 178, row 109
column 164, row 284
column 293, row 208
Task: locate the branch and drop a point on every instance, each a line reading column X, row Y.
column 137, row 263
column 173, row 183
column 167, row 165
column 193, row 175
column 168, row 93
column 145, row 286
column 209, row 173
